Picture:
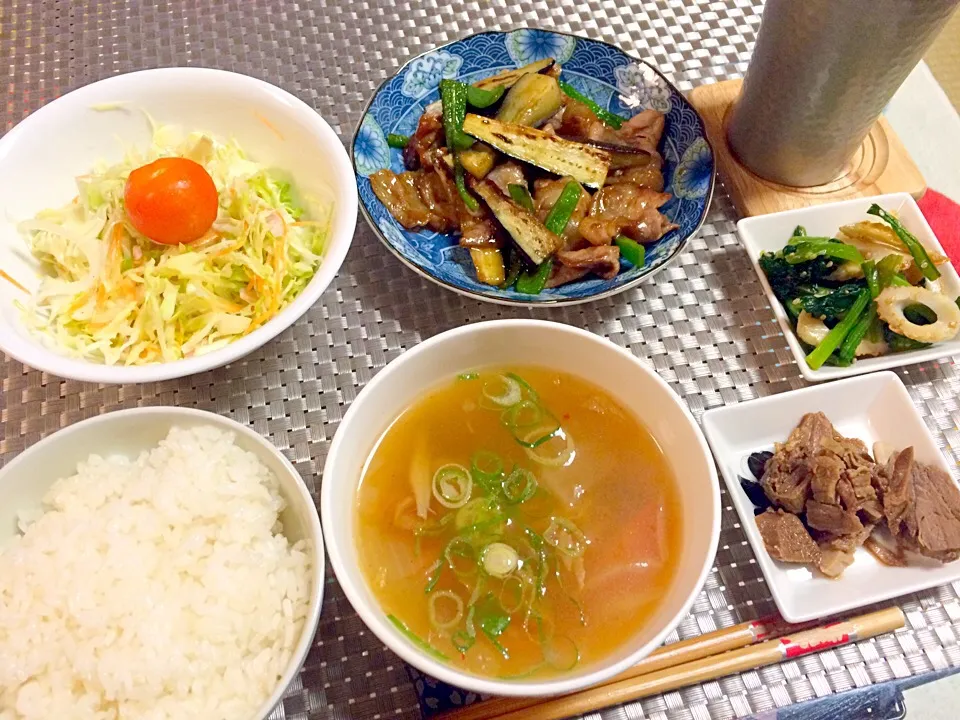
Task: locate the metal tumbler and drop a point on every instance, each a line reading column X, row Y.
column 821, row 73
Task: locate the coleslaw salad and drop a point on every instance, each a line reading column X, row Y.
column 111, row 295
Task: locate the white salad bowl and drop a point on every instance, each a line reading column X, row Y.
column 26, row 479
column 41, row 157
column 524, row 342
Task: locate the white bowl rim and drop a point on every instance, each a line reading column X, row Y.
column 341, row 237
column 373, row 617
column 162, row 411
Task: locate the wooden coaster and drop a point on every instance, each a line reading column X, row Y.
column 881, row 165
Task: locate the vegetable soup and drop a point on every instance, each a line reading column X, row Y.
column 518, row 522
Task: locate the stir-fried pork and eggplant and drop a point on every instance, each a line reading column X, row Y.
column 541, row 184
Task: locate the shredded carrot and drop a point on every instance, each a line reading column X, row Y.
column 269, row 124
column 78, row 302
column 114, row 252
column 13, row 282
column 129, row 289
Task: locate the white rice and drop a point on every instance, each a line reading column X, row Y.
column 160, row 588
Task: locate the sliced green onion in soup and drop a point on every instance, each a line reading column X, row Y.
column 499, row 560
column 433, row 527
column 512, row 594
column 479, row 512
column 416, row 639
column 460, row 556
column 487, row 468
column 539, row 435
column 561, row 653
column 463, row 641
column 519, row 486
column 540, row 546
column 433, row 576
column 524, row 385
column 566, row 537
column 452, row 486
column 524, row 415
column 502, row 391
column 557, row 451
column 445, row 609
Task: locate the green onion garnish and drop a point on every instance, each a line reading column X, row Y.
column 416, row 639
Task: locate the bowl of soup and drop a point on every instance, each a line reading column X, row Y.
column 520, row 507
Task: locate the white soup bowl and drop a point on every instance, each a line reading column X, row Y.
column 557, row 347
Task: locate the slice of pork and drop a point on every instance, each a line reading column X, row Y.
column 603, row 261
column 626, row 209
column 786, row 539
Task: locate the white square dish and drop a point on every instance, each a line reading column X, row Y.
column 872, row 408
column 769, row 233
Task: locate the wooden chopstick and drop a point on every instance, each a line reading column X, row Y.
column 711, row 643
column 723, row 652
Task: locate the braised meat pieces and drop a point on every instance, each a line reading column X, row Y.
column 922, row 507
column 830, row 496
column 786, row 539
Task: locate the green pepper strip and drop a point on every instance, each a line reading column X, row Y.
column 917, row 251
column 480, row 98
column 521, row 196
column 840, row 331
column 460, row 181
column 799, row 231
column 533, row 283
column 453, row 95
column 807, row 249
column 611, row 119
column 398, row 141
column 559, row 216
column 630, row 250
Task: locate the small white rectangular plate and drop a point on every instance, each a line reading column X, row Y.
column 769, row 233
column 872, row 408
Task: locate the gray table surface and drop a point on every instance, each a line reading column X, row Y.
column 703, row 324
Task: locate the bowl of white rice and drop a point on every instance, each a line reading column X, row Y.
column 154, row 563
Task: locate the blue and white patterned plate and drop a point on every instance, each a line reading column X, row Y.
column 609, row 76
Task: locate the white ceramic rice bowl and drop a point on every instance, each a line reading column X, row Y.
column 524, row 342
column 41, row 157
column 26, row 478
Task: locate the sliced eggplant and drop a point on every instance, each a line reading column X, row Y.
column 508, row 78
column 621, row 156
column 527, row 231
column 532, row 101
column 585, row 164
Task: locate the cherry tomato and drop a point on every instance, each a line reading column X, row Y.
column 172, row 200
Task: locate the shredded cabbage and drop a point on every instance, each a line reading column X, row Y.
column 111, row 295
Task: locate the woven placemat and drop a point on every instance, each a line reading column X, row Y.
column 703, row 324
